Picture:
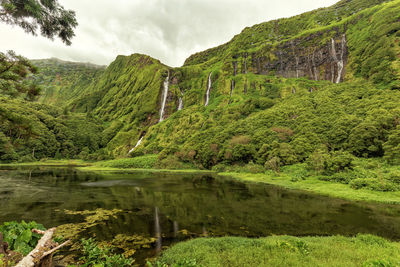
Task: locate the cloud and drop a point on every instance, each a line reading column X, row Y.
column 169, row 30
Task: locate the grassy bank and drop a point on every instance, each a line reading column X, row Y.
column 61, row 162
column 363, row 250
column 383, row 180
column 296, row 177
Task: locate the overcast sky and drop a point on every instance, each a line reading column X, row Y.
column 169, row 30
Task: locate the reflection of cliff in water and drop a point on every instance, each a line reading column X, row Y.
column 191, row 204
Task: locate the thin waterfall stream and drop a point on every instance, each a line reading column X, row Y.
column 208, row 90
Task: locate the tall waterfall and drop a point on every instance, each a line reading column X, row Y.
column 208, row 90
column 157, row 230
column 245, row 63
column 339, row 62
column 180, row 106
column 297, row 66
column 232, row 87
column 137, row 144
column 164, row 98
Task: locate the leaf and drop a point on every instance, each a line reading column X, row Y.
column 25, row 236
column 22, row 247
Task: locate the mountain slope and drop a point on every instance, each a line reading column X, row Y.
column 281, row 90
column 62, row 80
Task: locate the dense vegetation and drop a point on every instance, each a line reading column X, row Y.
column 305, row 102
column 62, row 81
column 31, row 131
column 260, row 116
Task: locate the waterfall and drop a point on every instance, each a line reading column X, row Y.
column 232, row 87
column 293, row 90
column 208, row 90
column 180, row 106
column 297, row 67
column 313, row 65
column 176, row 229
column 339, row 63
column 137, row 144
column 234, row 68
column 157, row 230
column 164, row 98
column 245, row 63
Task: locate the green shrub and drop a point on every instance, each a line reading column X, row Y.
column 170, row 162
column 95, row 256
column 373, row 184
column 341, row 177
column 379, row 263
column 372, row 240
column 27, row 158
column 328, row 164
column 251, row 167
column 143, row 162
column 19, row 236
column 219, row 167
column 394, row 177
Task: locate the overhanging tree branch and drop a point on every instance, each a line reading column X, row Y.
column 48, row 17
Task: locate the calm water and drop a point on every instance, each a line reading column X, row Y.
column 174, row 207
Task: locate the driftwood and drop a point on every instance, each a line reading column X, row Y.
column 43, row 250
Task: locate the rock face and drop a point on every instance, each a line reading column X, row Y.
column 313, row 56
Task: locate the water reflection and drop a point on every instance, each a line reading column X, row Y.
column 174, row 207
column 157, row 230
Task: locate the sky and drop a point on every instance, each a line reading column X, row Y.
column 169, row 30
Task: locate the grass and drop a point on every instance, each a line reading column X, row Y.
column 313, row 184
column 61, row 162
column 363, row 250
column 97, row 168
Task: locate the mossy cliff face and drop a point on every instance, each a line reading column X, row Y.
column 310, row 56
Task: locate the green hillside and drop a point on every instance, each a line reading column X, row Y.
column 281, row 92
column 62, row 81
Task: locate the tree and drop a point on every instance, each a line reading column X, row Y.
column 392, row 147
column 14, row 70
column 46, row 16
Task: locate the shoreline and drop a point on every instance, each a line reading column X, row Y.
column 311, row 184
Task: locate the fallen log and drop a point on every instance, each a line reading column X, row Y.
column 44, row 248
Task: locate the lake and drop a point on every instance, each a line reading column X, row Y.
column 166, row 208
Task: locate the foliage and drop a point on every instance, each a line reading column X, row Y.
column 30, row 131
column 62, row 81
column 328, row 164
column 143, row 162
column 373, row 184
column 101, row 256
column 382, row 183
column 19, row 236
column 263, row 119
column 49, row 16
column 14, row 70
